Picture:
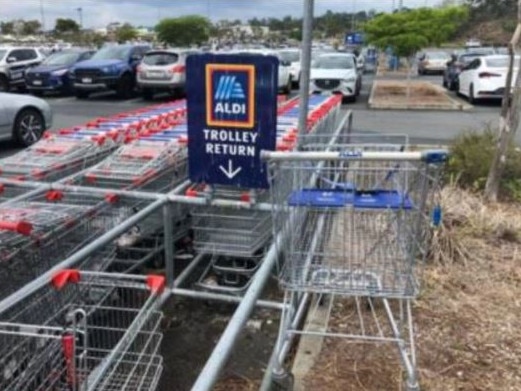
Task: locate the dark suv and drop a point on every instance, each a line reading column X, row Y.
column 112, row 68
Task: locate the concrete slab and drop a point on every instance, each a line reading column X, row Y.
column 309, row 347
column 450, row 103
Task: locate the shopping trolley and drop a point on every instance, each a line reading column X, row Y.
column 356, row 223
column 84, row 331
column 40, row 230
column 55, row 157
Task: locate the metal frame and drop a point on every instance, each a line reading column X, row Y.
column 163, row 203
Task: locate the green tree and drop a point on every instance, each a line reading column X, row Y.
column 31, row 27
column 125, row 33
column 184, row 31
column 66, row 26
column 409, row 31
column 7, row 27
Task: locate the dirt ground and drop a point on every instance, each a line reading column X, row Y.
column 467, row 318
column 192, row 328
column 420, row 93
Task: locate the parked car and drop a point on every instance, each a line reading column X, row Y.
column 336, row 73
column 14, row 61
column 112, row 68
column 163, row 70
column 485, row 77
column 53, row 73
column 293, row 57
column 23, row 118
column 285, row 82
column 433, row 62
column 454, row 67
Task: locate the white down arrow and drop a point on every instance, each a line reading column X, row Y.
column 230, row 173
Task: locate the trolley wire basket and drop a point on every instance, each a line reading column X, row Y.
column 84, row 331
column 54, row 158
column 371, row 212
column 39, row 231
column 143, row 164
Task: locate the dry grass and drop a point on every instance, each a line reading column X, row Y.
column 236, row 383
column 420, row 93
column 467, row 318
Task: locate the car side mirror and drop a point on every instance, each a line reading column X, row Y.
column 135, row 57
column 11, row 59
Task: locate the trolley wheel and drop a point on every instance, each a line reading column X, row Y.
column 284, row 382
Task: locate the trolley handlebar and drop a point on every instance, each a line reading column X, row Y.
column 21, row 227
column 428, row 156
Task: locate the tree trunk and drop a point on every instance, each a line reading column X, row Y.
column 408, row 81
column 508, row 120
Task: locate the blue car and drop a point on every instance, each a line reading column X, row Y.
column 112, row 68
column 52, row 75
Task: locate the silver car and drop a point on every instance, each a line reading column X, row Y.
column 163, row 70
column 23, row 118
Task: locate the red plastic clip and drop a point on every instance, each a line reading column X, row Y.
column 54, row 195
column 156, row 283
column 65, row 276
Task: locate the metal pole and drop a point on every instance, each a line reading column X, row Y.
column 78, row 256
column 224, row 298
column 169, row 243
column 213, row 367
column 307, row 40
column 42, row 14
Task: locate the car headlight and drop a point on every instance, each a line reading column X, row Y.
column 349, row 80
column 110, row 69
column 59, row 72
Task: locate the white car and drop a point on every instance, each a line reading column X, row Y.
column 285, row 81
column 293, row 57
column 485, row 77
column 163, row 70
column 336, row 73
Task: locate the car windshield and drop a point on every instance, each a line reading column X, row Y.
column 467, row 58
column 62, row 58
column 290, row 56
column 334, row 62
column 112, row 53
column 2, row 54
column 437, row 56
column 500, row 62
column 160, row 58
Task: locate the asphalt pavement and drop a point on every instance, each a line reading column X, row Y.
column 426, row 127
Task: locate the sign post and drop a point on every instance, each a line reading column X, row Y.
column 232, row 116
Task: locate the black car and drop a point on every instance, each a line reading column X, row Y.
column 454, row 67
column 53, row 73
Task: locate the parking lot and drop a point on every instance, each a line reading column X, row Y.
column 423, row 127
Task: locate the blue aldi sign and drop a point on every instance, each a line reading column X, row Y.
column 232, row 116
column 354, row 39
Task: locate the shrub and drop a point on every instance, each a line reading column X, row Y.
column 471, row 156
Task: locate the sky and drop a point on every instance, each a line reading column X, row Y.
column 99, row 13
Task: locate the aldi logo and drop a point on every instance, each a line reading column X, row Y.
column 230, row 95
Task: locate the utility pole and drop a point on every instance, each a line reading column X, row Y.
column 400, row 5
column 80, row 15
column 42, row 15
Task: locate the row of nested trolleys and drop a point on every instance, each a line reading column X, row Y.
column 97, row 329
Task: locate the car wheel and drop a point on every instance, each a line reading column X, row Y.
column 29, row 126
column 454, row 85
column 287, row 90
column 445, row 84
column 125, row 88
column 81, row 94
column 4, row 84
column 472, row 99
column 349, row 99
column 147, row 94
